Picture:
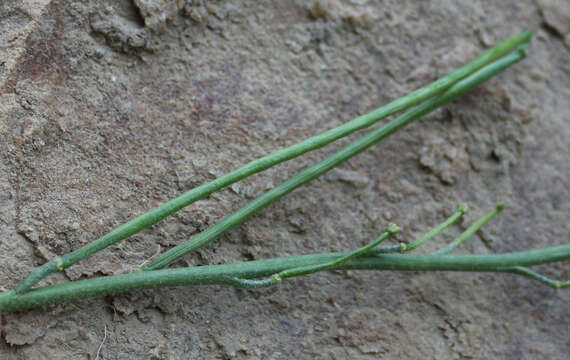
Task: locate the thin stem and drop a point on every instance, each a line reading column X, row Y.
column 310, row 269
column 433, row 232
column 388, row 249
column 471, row 230
column 313, row 268
column 221, row 274
column 334, row 160
column 158, row 213
column 521, row 270
column 401, row 248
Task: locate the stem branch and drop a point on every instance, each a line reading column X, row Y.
column 433, row 232
column 158, row 213
column 222, row 274
column 334, row 160
column 471, row 230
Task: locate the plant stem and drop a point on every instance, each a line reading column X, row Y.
column 221, row 274
column 334, row 160
column 470, row 230
column 158, row 213
column 313, row 268
column 433, row 232
column 521, row 270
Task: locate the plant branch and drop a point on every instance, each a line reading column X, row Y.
column 222, row 274
column 158, row 213
column 311, row 269
column 470, row 230
column 453, row 218
column 334, row 160
column 521, row 270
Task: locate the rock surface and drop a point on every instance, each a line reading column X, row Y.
column 109, row 108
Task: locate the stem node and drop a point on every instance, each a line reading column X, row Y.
column 59, row 263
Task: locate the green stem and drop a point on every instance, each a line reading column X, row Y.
column 389, row 249
column 221, row 274
column 334, row 160
column 521, row 270
column 471, row 230
column 313, row 268
column 158, row 213
column 310, row 269
column 433, row 232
